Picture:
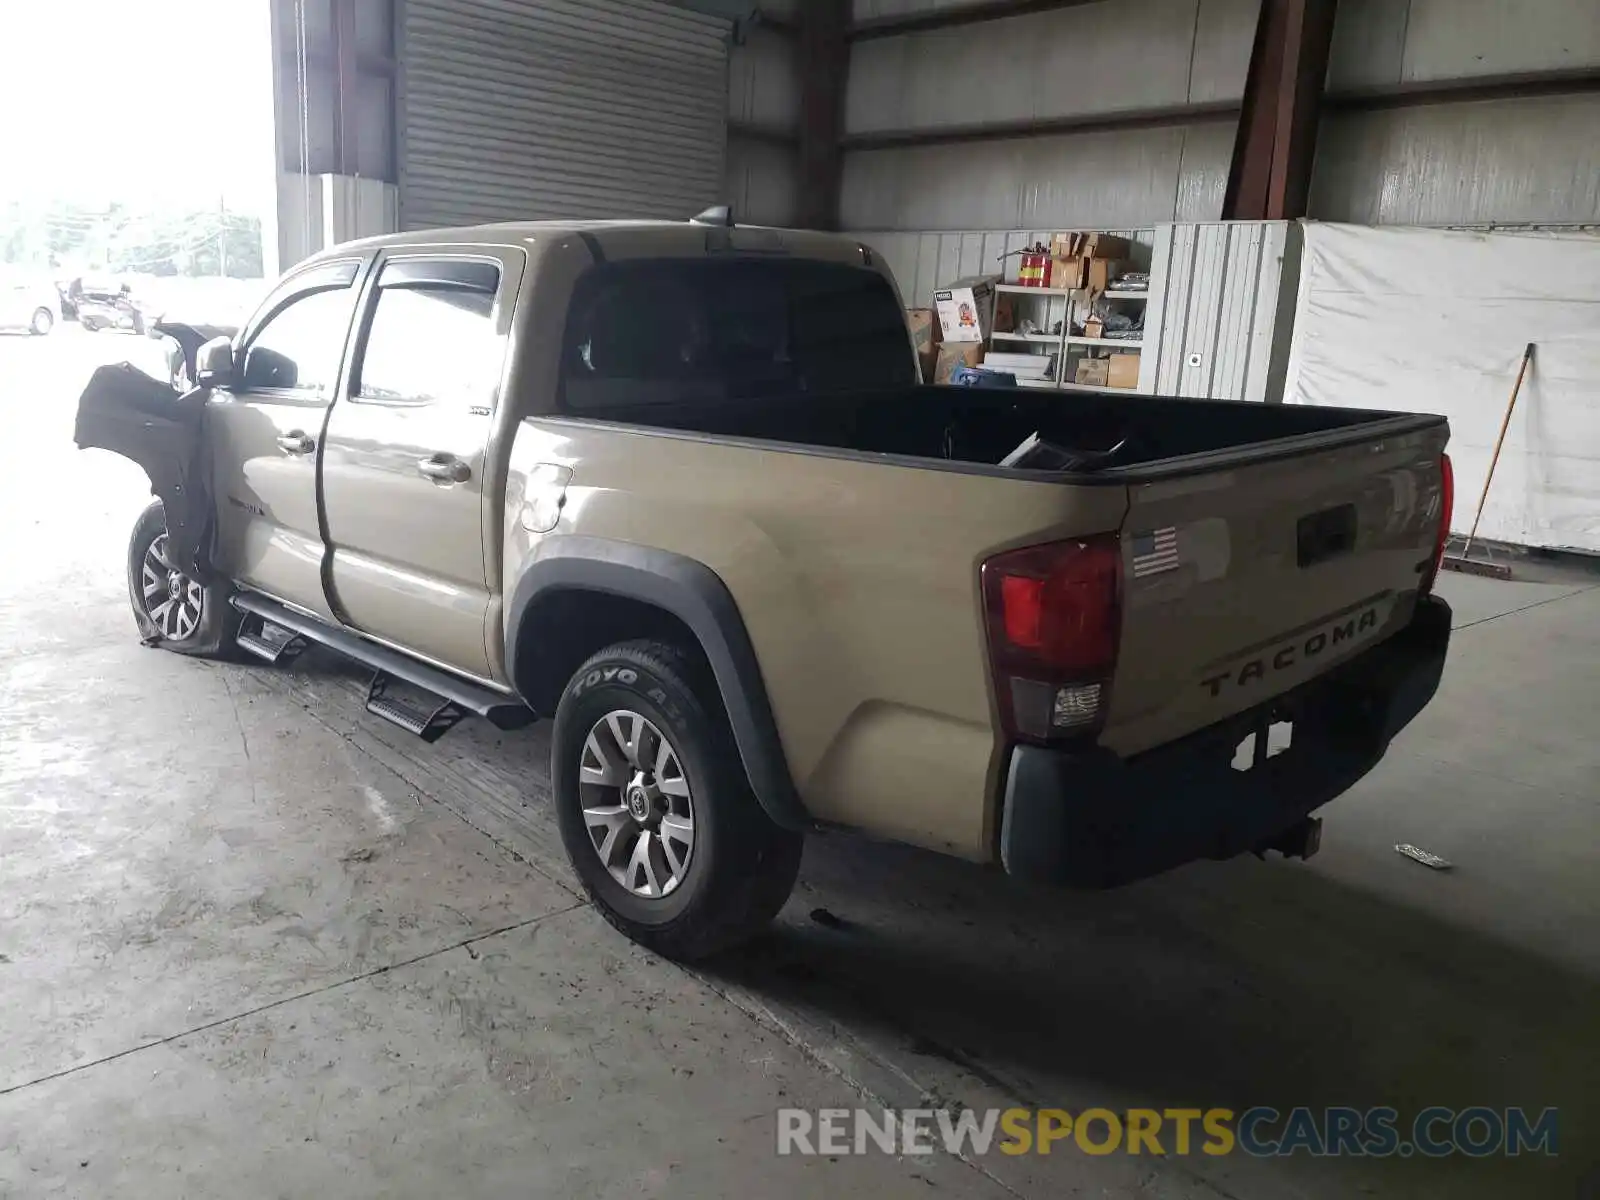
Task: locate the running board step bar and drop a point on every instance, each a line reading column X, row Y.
column 445, row 690
column 269, row 642
column 420, row 712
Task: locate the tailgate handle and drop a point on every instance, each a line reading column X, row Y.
column 1326, row 534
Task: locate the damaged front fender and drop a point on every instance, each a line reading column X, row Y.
column 129, row 413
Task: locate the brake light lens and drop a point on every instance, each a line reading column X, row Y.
column 1053, row 620
column 1447, row 503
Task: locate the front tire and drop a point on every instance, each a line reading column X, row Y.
column 42, row 323
column 656, row 814
column 171, row 610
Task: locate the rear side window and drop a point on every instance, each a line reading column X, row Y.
column 432, row 338
column 669, row 331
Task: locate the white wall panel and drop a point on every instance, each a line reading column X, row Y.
column 1385, row 42
column 1224, row 33
column 1505, row 161
column 1453, row 39
column 763, row 87
column 1218, row 307
column 1408, row 320
column 1071, row 181
column 1369, row 41
column 762, row 181
column 1099, row 58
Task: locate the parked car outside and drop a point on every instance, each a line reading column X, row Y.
column 27, row 302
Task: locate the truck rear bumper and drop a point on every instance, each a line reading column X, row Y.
column 1090, row 819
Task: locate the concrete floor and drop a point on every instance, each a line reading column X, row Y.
column 256, row 943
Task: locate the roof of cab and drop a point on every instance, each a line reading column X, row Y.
column 511, row 232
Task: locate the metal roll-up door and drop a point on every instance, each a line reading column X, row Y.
column 532, row 109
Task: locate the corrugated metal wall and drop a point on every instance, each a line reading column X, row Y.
column 1219, row 294
column 521, row 109
column 1448, row 163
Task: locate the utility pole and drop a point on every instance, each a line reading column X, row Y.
column 222, row 236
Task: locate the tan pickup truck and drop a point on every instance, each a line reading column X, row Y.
column 678, row 487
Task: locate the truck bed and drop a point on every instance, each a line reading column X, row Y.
column 1261, row 544
column 981, row 426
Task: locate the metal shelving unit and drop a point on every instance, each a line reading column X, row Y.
column 1062, row 305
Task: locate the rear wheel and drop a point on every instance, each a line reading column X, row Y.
column 43, row 322
column 656, row 814
column 171, row 609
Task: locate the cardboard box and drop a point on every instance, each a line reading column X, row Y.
column 1103, row 245
column 956, row 354
column 1085, row 260
column 1100, row 272
column 964, row 308
column 1093, row 372
column 1005, row 313
column 1094, row 327
column 924, row 326
column 1066, row 266
column 1122, row 371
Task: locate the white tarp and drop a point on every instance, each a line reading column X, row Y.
column 1429, row 320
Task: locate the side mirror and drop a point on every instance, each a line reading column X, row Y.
column 214, row 364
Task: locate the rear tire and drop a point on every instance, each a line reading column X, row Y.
column 42, row 323
column 727, row 870
column 171, row 610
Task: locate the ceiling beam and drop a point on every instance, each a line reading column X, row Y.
column 961, row 14
column 1153, row 118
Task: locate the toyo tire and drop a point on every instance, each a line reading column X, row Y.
column 642, row 756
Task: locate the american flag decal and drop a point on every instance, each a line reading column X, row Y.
column 1155, row 551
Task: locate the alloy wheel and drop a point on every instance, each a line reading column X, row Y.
column 636, row 804
column 172, row 600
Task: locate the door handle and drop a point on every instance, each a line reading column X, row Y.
column 444, row 469
column 296, row 442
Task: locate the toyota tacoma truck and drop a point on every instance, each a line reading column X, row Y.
column 679, row 488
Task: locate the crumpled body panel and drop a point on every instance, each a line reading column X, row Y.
column 127, row 412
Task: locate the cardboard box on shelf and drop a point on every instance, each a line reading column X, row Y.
column 963, row 308
column 1005, row 313
column 1103, row 245
column 1092, row 372
column 1066, row 267
column 1100, row 272
column 1094, row 327
column 924, row 325
column 1085, row 260
column 1122, row 371
column 956, row 354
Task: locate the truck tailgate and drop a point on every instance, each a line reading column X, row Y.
column 1244, row 579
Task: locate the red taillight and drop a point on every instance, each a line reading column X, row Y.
column 1053, row 615
column 1447, row 503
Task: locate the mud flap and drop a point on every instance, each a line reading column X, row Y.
column 129, row 413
